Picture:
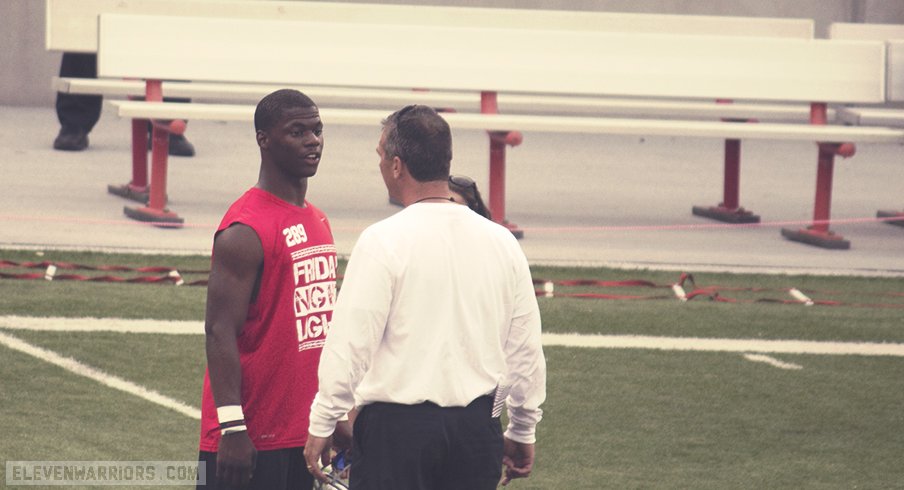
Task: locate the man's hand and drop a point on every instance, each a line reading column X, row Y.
column 314, row 452
column 342, row 438
column 518, row 459
column 236, row 458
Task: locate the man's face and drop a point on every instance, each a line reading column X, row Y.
column 295, row 143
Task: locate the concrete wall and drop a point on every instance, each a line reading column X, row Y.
column 27, row 67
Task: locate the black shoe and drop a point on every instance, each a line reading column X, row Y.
column 180, row 146
column 71, row 140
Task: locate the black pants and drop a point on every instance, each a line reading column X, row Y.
column 280, row 469
column 80, row 112
column 427, row 447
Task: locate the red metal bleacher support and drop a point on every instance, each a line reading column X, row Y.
column 818, row 233
column 155, row 211
column 498, row 142
column 137, row 188
column 891, row 217
column 729, row 210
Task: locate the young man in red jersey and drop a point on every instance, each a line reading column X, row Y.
column 269, row 305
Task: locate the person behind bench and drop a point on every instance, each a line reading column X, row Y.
column 464, row 191
column 78, row 113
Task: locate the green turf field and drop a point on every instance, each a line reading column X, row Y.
column 614, row 418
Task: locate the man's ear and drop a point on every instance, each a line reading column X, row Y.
column 398, row 167
column 262, row 139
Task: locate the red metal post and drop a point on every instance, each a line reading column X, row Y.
column 496, row 198
column 731, row 186
column 823, row 202
column 159, row 156
column 824, row 173
column 497, row 178
column 160, row 141
column 139, row 155
column 818, row 233
column 153, row 91
column 730, row 210
column 137, row 189
column 498, row 141
column 156, row 211
column 818, row 113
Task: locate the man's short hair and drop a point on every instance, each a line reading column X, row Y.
column 420, row 138
column 271, row 108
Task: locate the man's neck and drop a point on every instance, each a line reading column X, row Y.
column 434, row 191
column 293, row 192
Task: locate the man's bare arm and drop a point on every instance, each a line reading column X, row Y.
column 232, row 286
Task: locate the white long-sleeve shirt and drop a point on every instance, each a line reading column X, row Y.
column 438, row 305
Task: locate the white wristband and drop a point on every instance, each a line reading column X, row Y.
column 230, row 430
column 230, row 413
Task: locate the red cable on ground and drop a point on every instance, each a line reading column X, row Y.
column 67, row 265
column 712, row 293
column 172, row 276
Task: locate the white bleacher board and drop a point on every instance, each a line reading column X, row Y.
column 895, row 70
column 255, row 92
column 872, row 116
column 893, row 34
column 527, row 123
column 865, row 31
column 461, row 101
column 494, row 59
column 72, row 24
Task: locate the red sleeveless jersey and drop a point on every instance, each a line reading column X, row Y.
column 286, row 326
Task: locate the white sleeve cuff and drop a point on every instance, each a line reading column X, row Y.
column 321, row 428
column 321, row 422
column 522, row 434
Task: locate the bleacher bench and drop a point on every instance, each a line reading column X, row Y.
column 492, row 60
column 892, row 112
column 73, row 27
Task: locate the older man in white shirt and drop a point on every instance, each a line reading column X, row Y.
column 436, row 320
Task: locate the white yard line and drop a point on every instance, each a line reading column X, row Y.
column 549, row 339
column 101, row 377
column 724, row 345
column 772, row 361
column 59, row 324
column 744, row 346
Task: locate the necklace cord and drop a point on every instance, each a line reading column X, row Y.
column 434, row 197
